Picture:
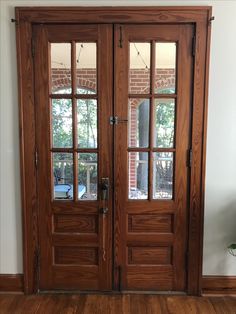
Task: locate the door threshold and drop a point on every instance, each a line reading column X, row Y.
column 114, row 292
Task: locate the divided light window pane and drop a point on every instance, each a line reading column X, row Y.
column 138, row 175
column 139, row 68
column 87, row 123
column 163, row 175
column 87, row 176
column 165, row 68
column 62, row 123
column 164, row 127
column 63, row 175
column 61, row 68
column 86, row 68
column 139, row 122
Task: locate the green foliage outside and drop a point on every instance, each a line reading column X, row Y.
column 87, row 138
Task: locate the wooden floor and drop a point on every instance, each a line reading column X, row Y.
column 118, row 304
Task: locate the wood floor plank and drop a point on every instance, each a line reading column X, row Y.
column 115, row 304
column 231, row 303
column 220, row 306
column 125, row 304
column 204, row 306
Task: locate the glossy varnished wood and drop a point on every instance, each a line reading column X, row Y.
column 115, row 304
column 153, row 223
column 71, row 233
column 12, row 283
column 27, row 16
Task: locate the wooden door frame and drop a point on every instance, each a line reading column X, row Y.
column 25, row 17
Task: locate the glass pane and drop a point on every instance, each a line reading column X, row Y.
column 63, row 175
column 165, row 68
column 86, row 64
column 61, row 68
column 62, row 123
column 139, row 122
column 139, row 72
column 87, row 123
column 163, row 176
column 138, row 175
column 164, row 127
column 87, row 164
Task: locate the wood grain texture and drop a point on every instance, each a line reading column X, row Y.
column 145, row 223
column 150, row 223
column 76, row 223
column 27, row 16
column 27, row 153
column 11, row 283
column 65, row 226
column 115, row 304
column 113, row 15
column 151, row 255
column 76, row 256
column 219, row 285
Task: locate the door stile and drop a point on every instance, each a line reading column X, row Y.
column 43, row 147
column 106, row 141
column 120, row 160
column 183, row 138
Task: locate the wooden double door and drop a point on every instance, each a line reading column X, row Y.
column 113, row 122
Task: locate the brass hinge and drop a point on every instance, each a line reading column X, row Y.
column 32, row 47
column 121, row 38
column 116, row 120
column 194, row 46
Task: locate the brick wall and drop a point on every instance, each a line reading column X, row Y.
column 139, row 84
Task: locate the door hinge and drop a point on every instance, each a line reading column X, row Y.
column 116, row 120
column 32, row 47
column 37, row 267
column 194, row 46
column 121, row 38
column 36, row 158
column 120, row 277
column 190, row 157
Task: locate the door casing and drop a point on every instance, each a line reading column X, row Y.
column 200, row 17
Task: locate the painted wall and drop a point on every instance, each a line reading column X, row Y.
column 220, row 198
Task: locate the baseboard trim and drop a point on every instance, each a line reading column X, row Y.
column 219, row 285
column 11, row 283
column 211, row 285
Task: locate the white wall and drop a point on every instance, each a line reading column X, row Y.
column 220, row 200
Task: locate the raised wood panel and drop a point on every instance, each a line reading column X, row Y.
column 71, row 277
column 61, row 239
column 76, row 223
column 76, row 256
column 150, row 223
column 149, row 239
column 139, row 278
column 149, row 255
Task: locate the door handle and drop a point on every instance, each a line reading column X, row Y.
column 104, row 211
column 105, row 189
